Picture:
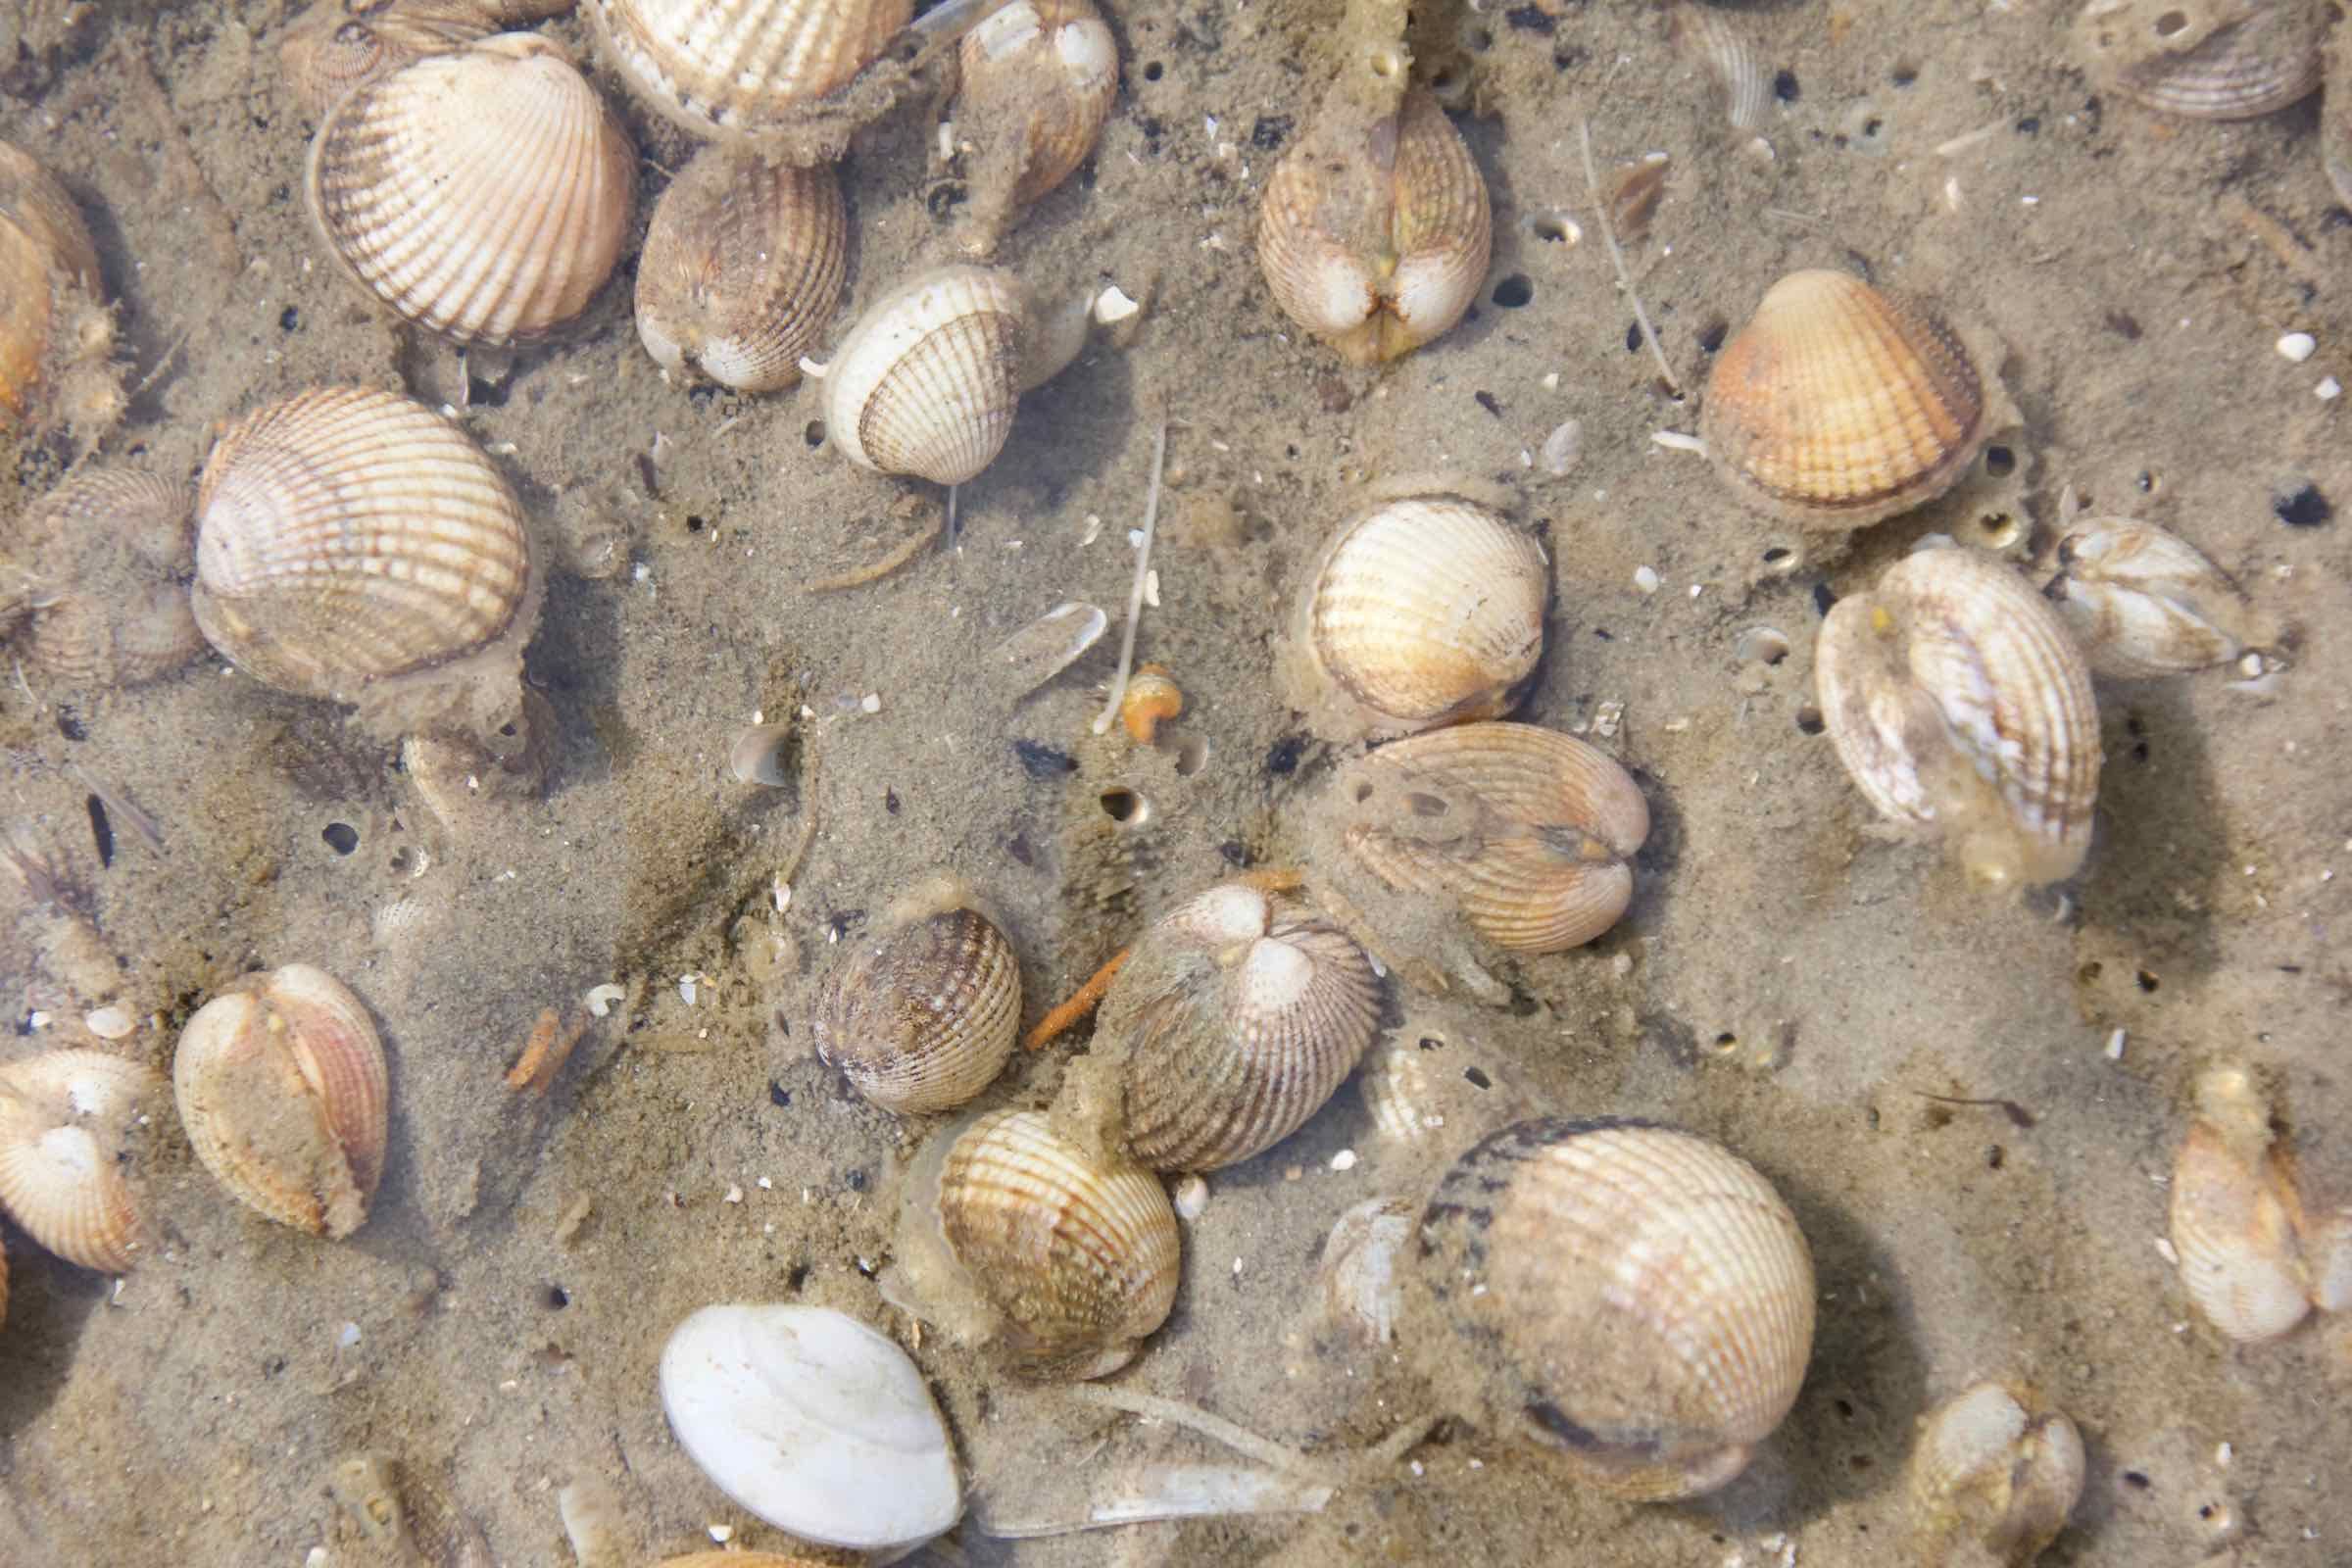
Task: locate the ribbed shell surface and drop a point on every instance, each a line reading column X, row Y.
column 1638, row 1297
column 1839, row 403
column 927, row 382
column 2226, row 61
column 1081, row 1259
column 1428, row 610
column 112, row 551
column 346, row 535
column 484, row 194
column 739, row 67
column 1529, row 832
column 64, row 1118
column 1386, row 250
column 1038, row 80
column 1240, row 1017
column 922, row 1017
column 1958, row 701
column 2235, row 1228
column 742, row 268
column 338, row 45
column 43, row 243
column 2146, row 602
column 283, row 1088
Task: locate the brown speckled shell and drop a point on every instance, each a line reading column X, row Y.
column 1839, row 403
column 1529, row 832
column 109, row 553
column 282, row 1089
column 66, row 1117
column 1634, row 1297
column 2146, row 602
column 1238, row 1015
column 1078, row 1258
column 921, row 1017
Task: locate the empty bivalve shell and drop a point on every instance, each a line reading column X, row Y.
column 742, row 268
column 927, row 380
column 1419, row 613
column 1014, row 1236
column 1633, row 1297
column 282, row 1089
column 1236, row 1018
column 922, row 1015
column 484, row 194
column 2206, row 58
column 741, row 70
column 1960, row 705
column 66, row 1119
column 1839, row 403
column 1993, row 1478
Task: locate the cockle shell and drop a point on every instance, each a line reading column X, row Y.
column 813, row 1422
column 1636, row 1297
column 484, row 194
column 1839, row 403
column 1724, row 49
column 1359, row 1269
column 1529, row 833
column 927, row 380
column 1013, row 1236
column 922, row 1015
column 1961, row 707
column 1235, row 1020
column 2146, row 602
column 337, row 45
column 283, row 1088
column 2206, row 58
column 742, row 268
column 1419, row 613
column 1374, row 231
column 65, row 1120
column 742, row 68
column 347, row 537
column 2238, row 1220
column 1993, row 1477
column 48, row 276
column 108, row 556
column 1039, row 77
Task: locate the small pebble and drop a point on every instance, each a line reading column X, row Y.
column 1644, row 580
column 2296, row 346
column 2328, row 389
column 1112, row 306
column 2115, row 1046
column 1192, row 1196
column 722, row 1534
column 871, row 702
column 1344, row 1159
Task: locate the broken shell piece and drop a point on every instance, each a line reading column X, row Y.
column 1360, row 1289
column 1962, row 708
column 2146, row 602
column 1153, row 695
column 813, row 1422
column 1722, row 47
column 1045, row 647
column 108, row 556
column 1014, row 1236
column 2206, row 58
column 757, row 754
column 1993, row 1477
column 2237, row 1217
column 283, row 1092
column 922, row 1014
column 66, row 1121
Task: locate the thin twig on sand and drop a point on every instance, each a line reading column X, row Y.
column 1625, row 279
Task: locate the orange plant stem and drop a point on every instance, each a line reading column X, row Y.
column 1062, row 1018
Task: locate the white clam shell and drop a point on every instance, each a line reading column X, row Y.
column 347, row 536
column 1961, row 707
column 927, row 382
column 813, row 1422
column 484, row 194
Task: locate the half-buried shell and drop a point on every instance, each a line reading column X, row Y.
column 66, row 1119
column 922, row 1015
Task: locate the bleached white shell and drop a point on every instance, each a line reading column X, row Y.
column 813, row 1422
column 927, row 382
column 1361, row 1291
column 484, row 194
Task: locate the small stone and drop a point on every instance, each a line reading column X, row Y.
column 871, row 702
column 1644, row 580
column 1190, row 1197
column 2115, row 1046
column 1112, row 306
column 2296, row 346
column 2328, row 389
column 1344, row 1159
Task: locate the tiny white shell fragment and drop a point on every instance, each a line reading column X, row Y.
column 1190, row 1197
column 110, row 1022
column 1645, row 580
column 1563, row 448
column 2296, row 346
column 600, row 998
column 813, row 1422
column 1112, row 306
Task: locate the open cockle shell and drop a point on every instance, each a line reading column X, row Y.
column 1961, row 707
column 813, row 1422
column 1039, row 77
column 1236, row 1018
column 1014, row 1236
column 1420, row 611
column 922, row 1015
column 927, row 382
column 1374, row 231
column 742, row 268
column 2146, row 602
column 1634, row 1297
column 108, row 556
column 65, row 1120
column 283, row 1088
column 739, row 69
column 350, row 539
column 1529, row 833
column 1839, row 403
column 2206, row 58
column 484, row 194
column 1993, row 1477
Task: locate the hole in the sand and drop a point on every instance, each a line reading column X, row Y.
column 1363, row 792
column 558, row 1297
column 2146, row 980
column 1424, row 805
column 1478, row 1078
column 1192, row 756
column 1514, row 291
column 1999, row 461
column 1809, row 719
column 2170, row 22
column 813, row 432
column 1125, row 807
column 1554, row 231
column 341, row 837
